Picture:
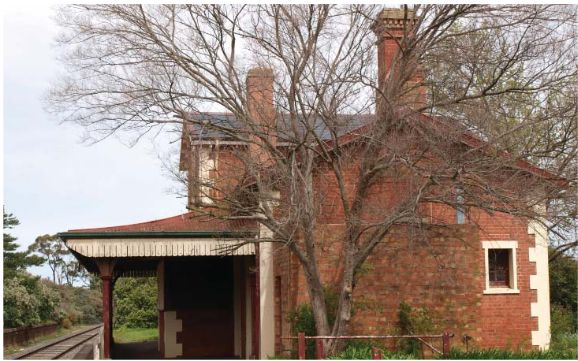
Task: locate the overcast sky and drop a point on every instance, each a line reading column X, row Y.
column 52, row 182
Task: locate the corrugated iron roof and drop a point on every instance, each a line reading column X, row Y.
column 187, row 222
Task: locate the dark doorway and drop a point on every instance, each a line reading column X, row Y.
column 200, row 290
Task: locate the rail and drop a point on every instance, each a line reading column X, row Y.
column 376, row 353
column 55, row 349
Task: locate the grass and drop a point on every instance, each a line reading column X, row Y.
column 125, row 335
column 494, row 354
column 9, row 350
column 356, row 353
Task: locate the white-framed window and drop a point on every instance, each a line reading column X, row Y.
column 500, row 267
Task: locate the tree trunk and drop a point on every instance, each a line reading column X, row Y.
column 317, row 298
column 343, row 316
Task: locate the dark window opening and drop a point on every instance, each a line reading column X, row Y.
column 499, row 267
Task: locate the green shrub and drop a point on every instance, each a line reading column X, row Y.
column 135, row 303
column 562, row 320
column 20, row 307
column 564, row 287
column 564, row 342
column 82, row 304
column 302, row 320
column 27, row 301
column 563, row 335
column 412, row 321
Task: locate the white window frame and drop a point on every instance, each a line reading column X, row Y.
column 512, row 246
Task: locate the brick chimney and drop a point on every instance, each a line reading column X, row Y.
column 389, row 28
column 261, row 109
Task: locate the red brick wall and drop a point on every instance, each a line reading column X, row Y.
column 229, row 169
column 443, row 274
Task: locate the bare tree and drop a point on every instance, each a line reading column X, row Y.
column 497, row 84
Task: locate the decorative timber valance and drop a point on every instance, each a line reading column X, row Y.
column 160, row 247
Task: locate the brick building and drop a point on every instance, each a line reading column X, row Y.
column 482, row 277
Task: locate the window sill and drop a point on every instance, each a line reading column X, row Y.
column 500, row 291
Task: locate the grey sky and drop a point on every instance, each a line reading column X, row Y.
column 52, row 182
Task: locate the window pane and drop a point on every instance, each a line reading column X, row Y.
column 499, row 262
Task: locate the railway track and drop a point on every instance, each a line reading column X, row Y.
column 60, row 348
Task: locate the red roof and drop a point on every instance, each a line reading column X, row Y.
column 187, row 222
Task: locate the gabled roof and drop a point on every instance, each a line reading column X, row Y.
column 184, row 225
column 351, row 128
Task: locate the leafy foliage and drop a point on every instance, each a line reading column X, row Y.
column 78, row 305
column 28, row 301
column 564, row 293
column 135, row 303
column 15, row 261
column 412, row 321
column 565, row 342
column 302, row 319
column 562, row 320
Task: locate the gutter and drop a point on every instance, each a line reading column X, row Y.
column 191, row 234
